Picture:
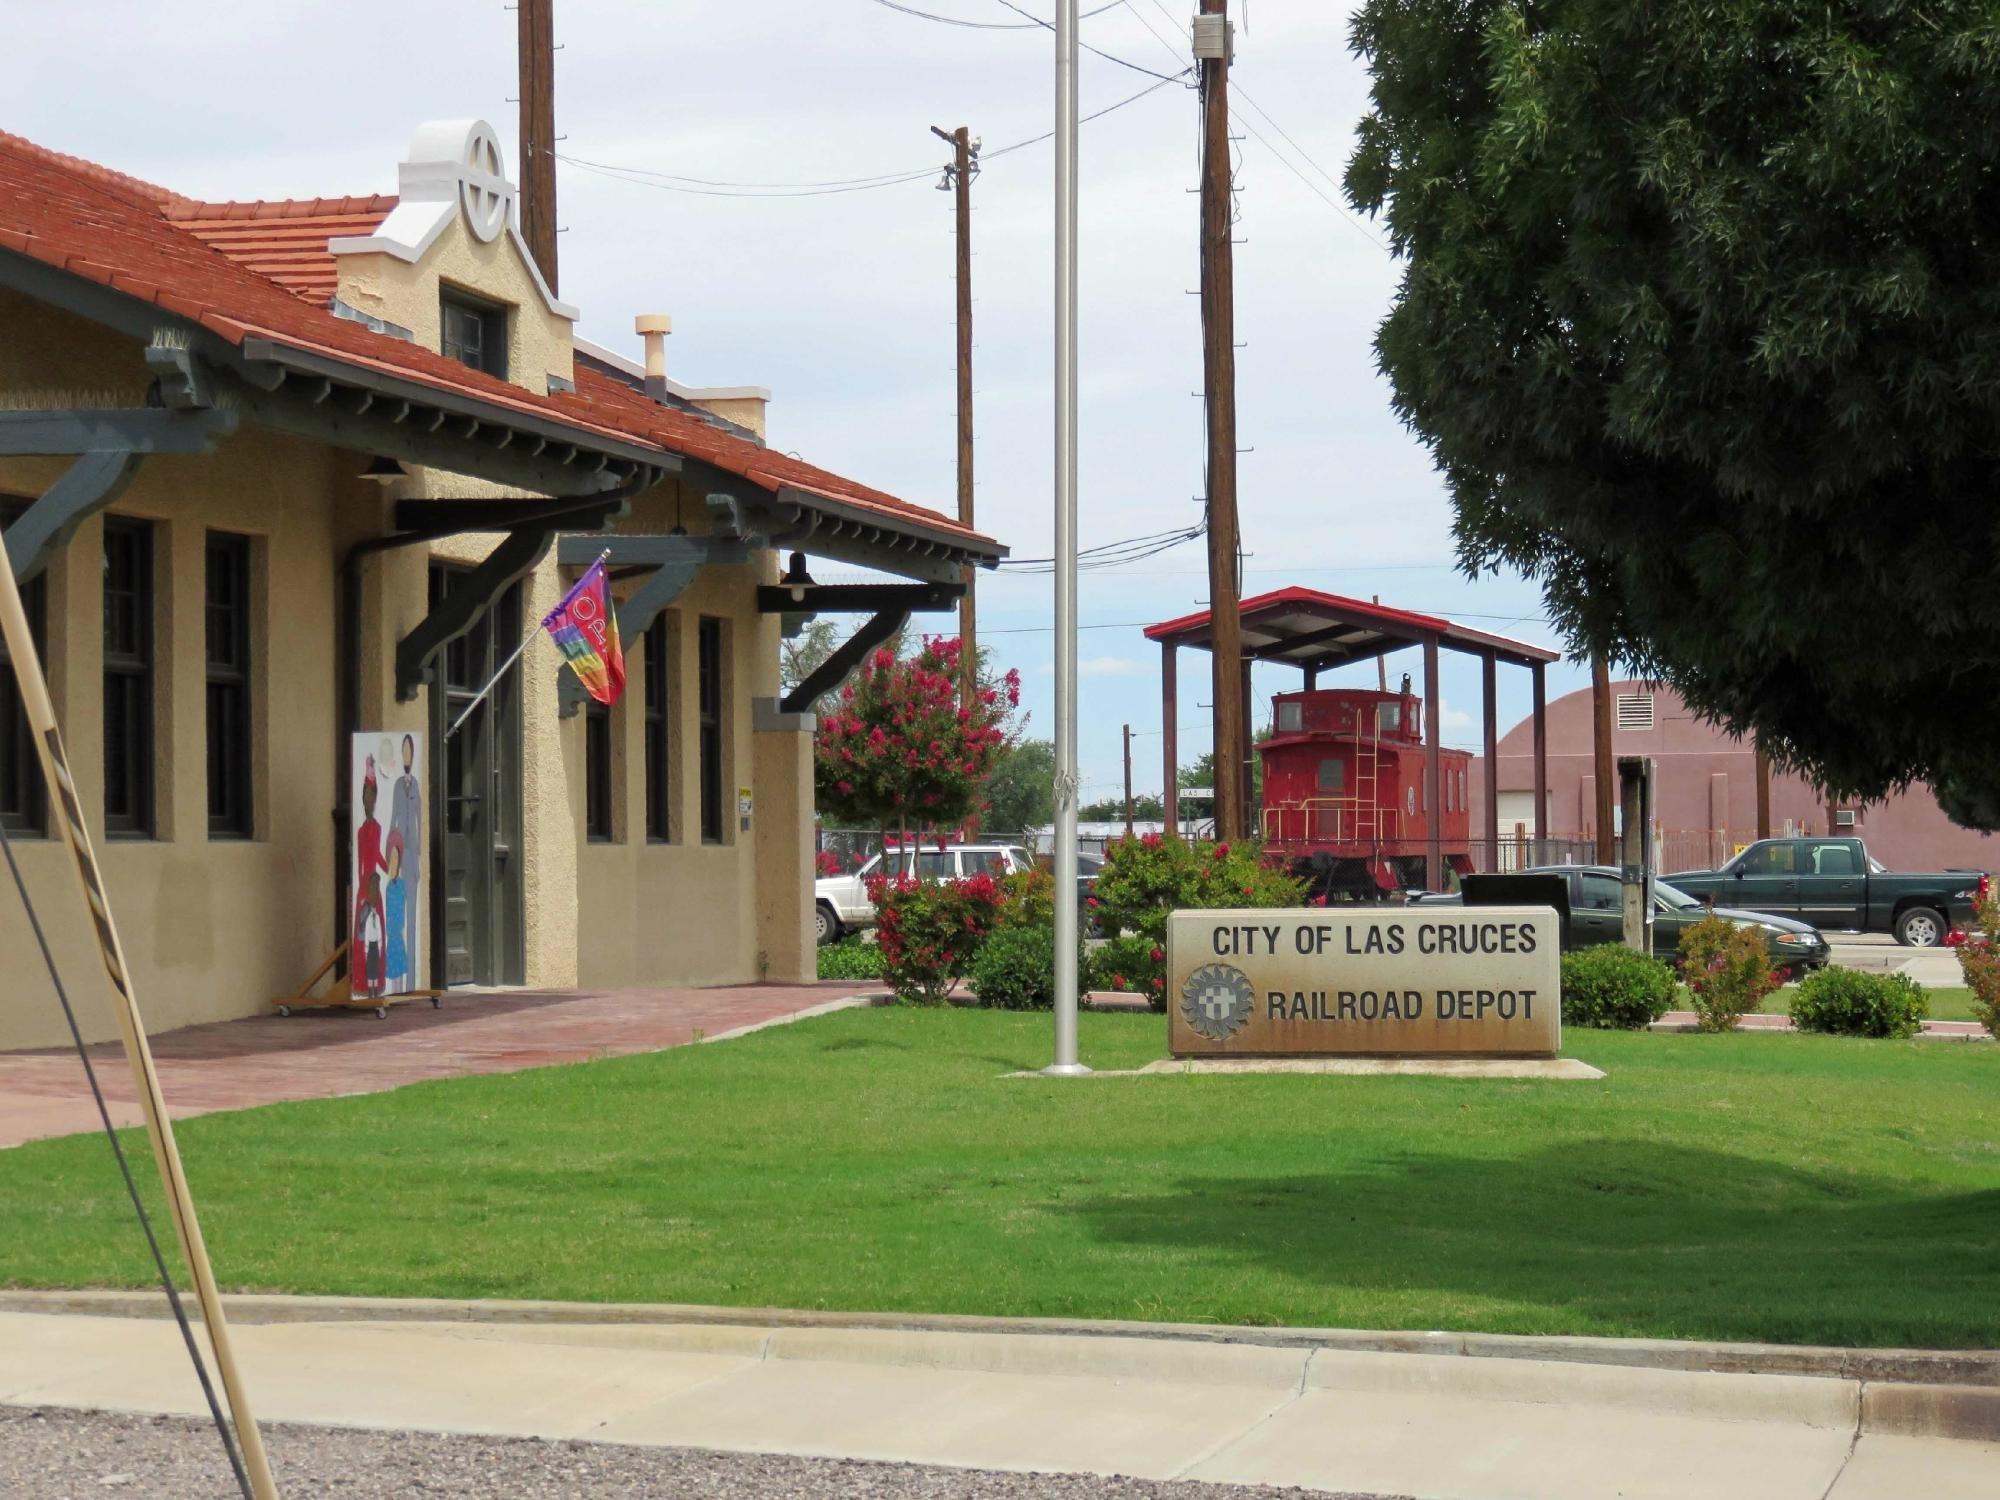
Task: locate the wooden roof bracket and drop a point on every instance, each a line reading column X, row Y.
column 674, row 561
column 108, row 445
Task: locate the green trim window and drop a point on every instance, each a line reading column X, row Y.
column 708, row 654
column 226, row 606
column 128, row 678
column 472, row 331
column 23, row 807
column 659, row 825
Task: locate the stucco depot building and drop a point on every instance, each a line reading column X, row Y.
column 1705, row 792
column 280, row 474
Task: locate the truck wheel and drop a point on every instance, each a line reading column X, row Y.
column 826, row 924
column 1920, row 927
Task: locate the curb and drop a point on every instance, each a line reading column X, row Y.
column 1911, row 1392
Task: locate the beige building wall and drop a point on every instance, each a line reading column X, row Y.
column 217, row 928
column 212, row 927
column 685, row 912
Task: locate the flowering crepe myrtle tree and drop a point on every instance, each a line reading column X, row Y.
column 899, row 749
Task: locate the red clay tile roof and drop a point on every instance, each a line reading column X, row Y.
column 244, row 271
column 284, row 239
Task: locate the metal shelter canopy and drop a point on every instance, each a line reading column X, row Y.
column 1312, row 631
column 1308, row 629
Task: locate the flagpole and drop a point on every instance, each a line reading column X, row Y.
column 67, row 813
column 508, row 665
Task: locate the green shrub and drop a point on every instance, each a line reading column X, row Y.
column 1842, row 1002
column 1027, row 898
column 1611, row 987
column 1131, row 965
column 1015, row 968
column 851, row 958
column 1727, row 970
column 1145, row 878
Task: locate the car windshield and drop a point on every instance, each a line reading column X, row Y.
column 1673, row 896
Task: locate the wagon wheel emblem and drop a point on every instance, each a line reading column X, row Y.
column 484, row 191
column 1217, row 1000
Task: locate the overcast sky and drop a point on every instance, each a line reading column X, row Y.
column 841, row 303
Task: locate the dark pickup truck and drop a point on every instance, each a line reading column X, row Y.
column 1832, row 883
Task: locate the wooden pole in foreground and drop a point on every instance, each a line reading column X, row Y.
column 63, row 807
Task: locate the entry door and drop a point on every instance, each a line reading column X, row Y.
column 479, row 769
column 1767, row 880
column 1831, row 888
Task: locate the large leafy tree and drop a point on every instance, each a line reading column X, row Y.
column 1021, row 787
column 1700, row 317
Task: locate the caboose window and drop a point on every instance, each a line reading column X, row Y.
column 1332, row 774
column 1291, row 717
column 1388, row 718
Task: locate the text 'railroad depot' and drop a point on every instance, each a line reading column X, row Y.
column 1422, row 981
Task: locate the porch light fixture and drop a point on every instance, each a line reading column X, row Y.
column 797, row 579
column 382, row 470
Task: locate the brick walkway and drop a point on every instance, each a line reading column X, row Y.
column 321, row 1053
column 1686, row 1020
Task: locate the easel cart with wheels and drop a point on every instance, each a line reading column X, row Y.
column 340, row 994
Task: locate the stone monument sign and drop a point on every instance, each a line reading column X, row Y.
column 1406, row 980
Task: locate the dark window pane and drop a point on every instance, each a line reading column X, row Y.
column 597, row 772
column 658, row 827
column 128, row 677
column 228, row 646
column 23, row 808
column 708, row 648
column 473, row 332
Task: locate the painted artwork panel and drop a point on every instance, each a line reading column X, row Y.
column 387, row 939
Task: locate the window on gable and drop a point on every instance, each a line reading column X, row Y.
column 472, row 331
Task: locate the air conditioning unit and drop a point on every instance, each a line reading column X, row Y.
column 1214, row 39
column 1845, row 817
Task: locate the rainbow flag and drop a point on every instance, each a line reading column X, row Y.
column 585, row 629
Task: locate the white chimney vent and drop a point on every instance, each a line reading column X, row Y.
column 654, row 328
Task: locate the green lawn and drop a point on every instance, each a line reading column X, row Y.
column 1787, row 1188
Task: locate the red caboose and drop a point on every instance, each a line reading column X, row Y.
column 1344, row 791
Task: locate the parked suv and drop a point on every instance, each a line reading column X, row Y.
column 841, row 904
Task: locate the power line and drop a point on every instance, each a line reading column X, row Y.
column 1098, row 51
column 1028, row 25
column 718, row 188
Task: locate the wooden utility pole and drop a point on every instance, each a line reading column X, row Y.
column 68, row 828
column 1128, row 781
column 1603, row 769
column 1218, row 338
column 536, row 55
column 1763, row 794
column 959, row 174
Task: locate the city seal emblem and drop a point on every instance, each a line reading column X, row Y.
column 1217, row 1000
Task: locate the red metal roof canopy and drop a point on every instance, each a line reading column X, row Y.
column 1306, row 628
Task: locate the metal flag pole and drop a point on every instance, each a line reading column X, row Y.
column 65, row 809
column 1065, row 1064
column 508, row 665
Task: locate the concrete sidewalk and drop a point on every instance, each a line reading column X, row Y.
column 1172, row 1405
